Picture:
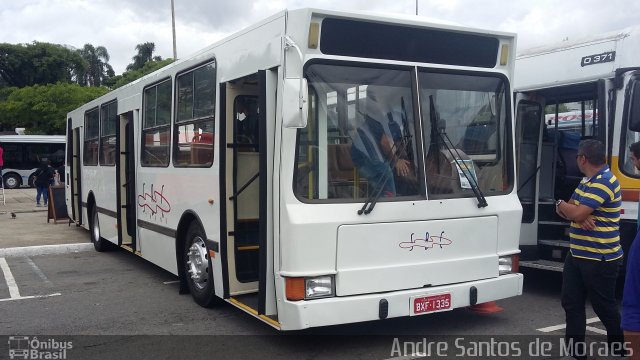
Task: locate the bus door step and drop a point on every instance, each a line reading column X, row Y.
column 543, row 265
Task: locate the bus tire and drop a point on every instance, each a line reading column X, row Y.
column 32, row 180
column 12, row 181
column 198, row 271
column 99, row 243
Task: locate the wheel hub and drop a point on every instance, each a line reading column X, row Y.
column 198, row 263
column 11, row 182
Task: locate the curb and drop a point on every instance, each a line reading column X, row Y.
column 45, row 250
column 20, row 211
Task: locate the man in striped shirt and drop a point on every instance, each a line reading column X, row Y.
column 592, row 264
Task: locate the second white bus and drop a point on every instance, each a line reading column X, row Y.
column 23, row 154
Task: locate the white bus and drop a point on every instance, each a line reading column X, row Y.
column 259, row 170
column 591, row 86
column 23, row 154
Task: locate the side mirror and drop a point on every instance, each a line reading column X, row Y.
column 634, row 110
column 295, row 103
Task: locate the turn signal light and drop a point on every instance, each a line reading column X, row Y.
column 294, row 289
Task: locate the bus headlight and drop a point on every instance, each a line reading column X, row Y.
column 508, row 264
column 309, row 288
column 318, row 287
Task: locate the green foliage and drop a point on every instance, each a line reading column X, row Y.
column 98, row 69
column 38, row 63
column 551, row 109
column 42, row 109
column 130, row 76
column 144, row 55
column 41, row 82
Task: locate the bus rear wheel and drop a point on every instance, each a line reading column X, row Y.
column 99, row 243
column 198, row 272
column 11, row 181
column 32, row 181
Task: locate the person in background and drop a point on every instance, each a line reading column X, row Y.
column 631, row 293
column 44, row 177
column 592, row 264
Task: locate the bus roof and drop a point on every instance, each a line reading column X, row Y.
column 574, row 62
column 32, row 139
column 297, row 29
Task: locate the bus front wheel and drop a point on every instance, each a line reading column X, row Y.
column 198, row 270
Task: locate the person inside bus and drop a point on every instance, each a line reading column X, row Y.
column 373, row 152
column 44, row 178
column 595, row 255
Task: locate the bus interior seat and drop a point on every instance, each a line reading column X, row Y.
column 340, row 162
column 442, row 173
column 342, row 173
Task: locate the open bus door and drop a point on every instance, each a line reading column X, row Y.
column 565, row 116
column 529, row 123
column 73, row 177
column 125, row 182
column 247, row 170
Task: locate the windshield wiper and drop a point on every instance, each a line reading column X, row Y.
column 453, row 152
column 372, row 200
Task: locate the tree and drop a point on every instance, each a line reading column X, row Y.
column 551, row 109
column 42, row 109
column 38, row 63
column 98, row 69
column 144, row 55
column 132, row 75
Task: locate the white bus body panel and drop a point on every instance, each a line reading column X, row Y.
column 555, row 65
column 386, row 257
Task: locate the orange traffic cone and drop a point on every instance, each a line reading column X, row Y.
column 486, row 308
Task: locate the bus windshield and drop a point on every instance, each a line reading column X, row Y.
column 471, row 116
column 363, row 138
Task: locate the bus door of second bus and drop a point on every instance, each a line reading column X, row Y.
column 529, row 122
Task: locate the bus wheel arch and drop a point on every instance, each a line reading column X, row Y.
column 194, row 264
column 11, row 180
column 31, row 182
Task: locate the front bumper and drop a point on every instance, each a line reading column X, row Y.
column 297, row 315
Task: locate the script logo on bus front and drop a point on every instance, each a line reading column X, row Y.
column 428, row 242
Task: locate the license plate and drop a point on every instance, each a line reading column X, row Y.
column 432, row 303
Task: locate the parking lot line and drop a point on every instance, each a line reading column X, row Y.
column 562, row 326
column 14, row 292
column 30, row 297
column 39, row 272
column 596, row 330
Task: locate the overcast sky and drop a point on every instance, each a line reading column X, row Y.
column 119, row 25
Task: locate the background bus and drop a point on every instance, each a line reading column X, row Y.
column 238, row 169
column 590, row 86
column 24, row 153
